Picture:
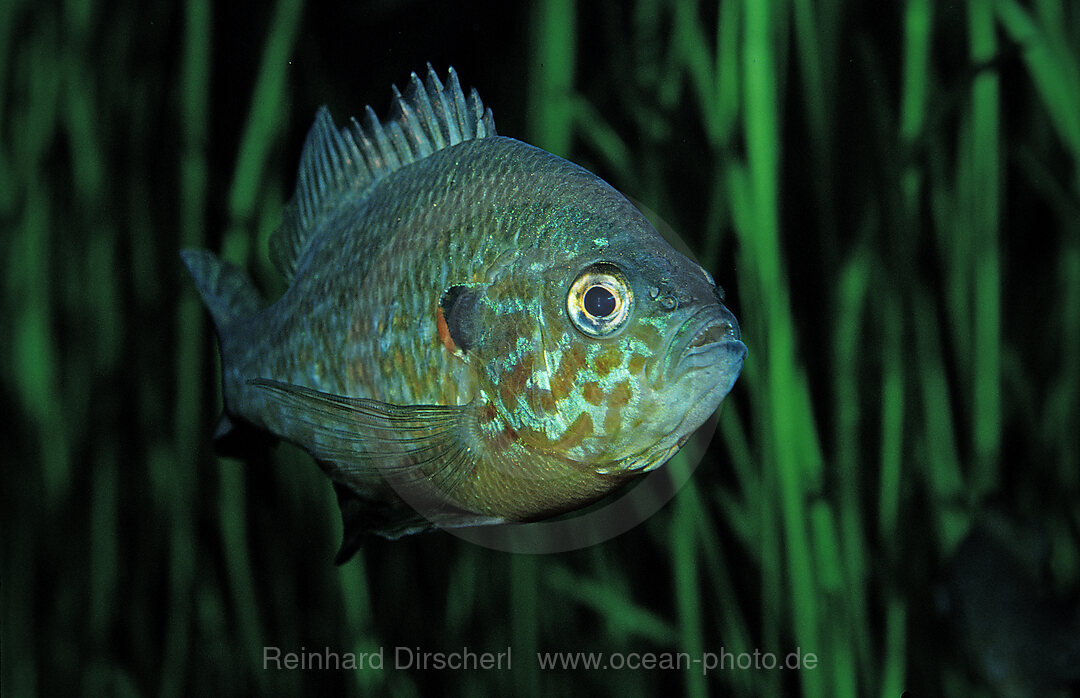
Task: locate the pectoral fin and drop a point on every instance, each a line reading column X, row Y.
column 374, row 451
column 366, row 437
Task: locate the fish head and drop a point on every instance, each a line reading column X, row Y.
column 655, row 352
column 612, row 357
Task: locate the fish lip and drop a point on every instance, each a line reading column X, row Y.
column 701, row 407
column 708, row 337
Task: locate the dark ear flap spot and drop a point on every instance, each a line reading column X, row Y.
column 459, row 305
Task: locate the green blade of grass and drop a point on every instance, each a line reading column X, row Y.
column 941, row 463
column 174, row 471
column 913, row 95
column 552, row 75
column 524, row 623
column 762, row 240
column 853, row 298
column 618, row 611
column 264, row 127
column 985, row 211
column 245, row 598
column 726, row 109
column 840, row 669
column 1053, row 66
column 690, row 48
column 356, row 603
column 684, row 564
column 894, row 655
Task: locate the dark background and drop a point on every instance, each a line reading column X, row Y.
column 889, row 194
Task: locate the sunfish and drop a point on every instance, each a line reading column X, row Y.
column 475, row 331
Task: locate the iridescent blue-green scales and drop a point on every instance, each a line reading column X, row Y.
column 434, row 350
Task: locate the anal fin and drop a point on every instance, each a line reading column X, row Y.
column 365, row 517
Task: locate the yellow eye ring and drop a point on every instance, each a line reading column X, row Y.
column 600, row 300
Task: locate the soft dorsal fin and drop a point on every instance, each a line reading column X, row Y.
column 336, row 162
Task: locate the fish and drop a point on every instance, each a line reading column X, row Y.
column 474, row 330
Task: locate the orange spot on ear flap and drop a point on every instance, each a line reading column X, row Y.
column 444, row 332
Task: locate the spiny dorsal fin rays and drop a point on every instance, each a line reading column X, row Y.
column 335, row 163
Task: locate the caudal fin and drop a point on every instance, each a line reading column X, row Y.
column 225, row 288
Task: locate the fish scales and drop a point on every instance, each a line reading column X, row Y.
column 475, row 330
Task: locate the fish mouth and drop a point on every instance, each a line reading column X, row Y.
column 704, row 360
column 709, row 338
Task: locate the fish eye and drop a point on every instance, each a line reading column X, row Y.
column 600, row 300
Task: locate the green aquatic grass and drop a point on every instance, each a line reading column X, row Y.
column 551, row 75
column 262, row 130
column 175, row 487
column 865, row 201
column 985, row 213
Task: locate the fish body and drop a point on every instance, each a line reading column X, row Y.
column 475, row 330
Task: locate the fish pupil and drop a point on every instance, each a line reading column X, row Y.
column 599, row 301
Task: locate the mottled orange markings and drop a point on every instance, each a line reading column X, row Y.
column 613, row 421
column 649, row 336
column 519, row 375
column 620, row 395
column 564, row 378
column 592, row 393
column 608, row 360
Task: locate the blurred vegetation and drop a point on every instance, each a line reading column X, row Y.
column 889, row 192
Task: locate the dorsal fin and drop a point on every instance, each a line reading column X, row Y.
column 336, row 162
